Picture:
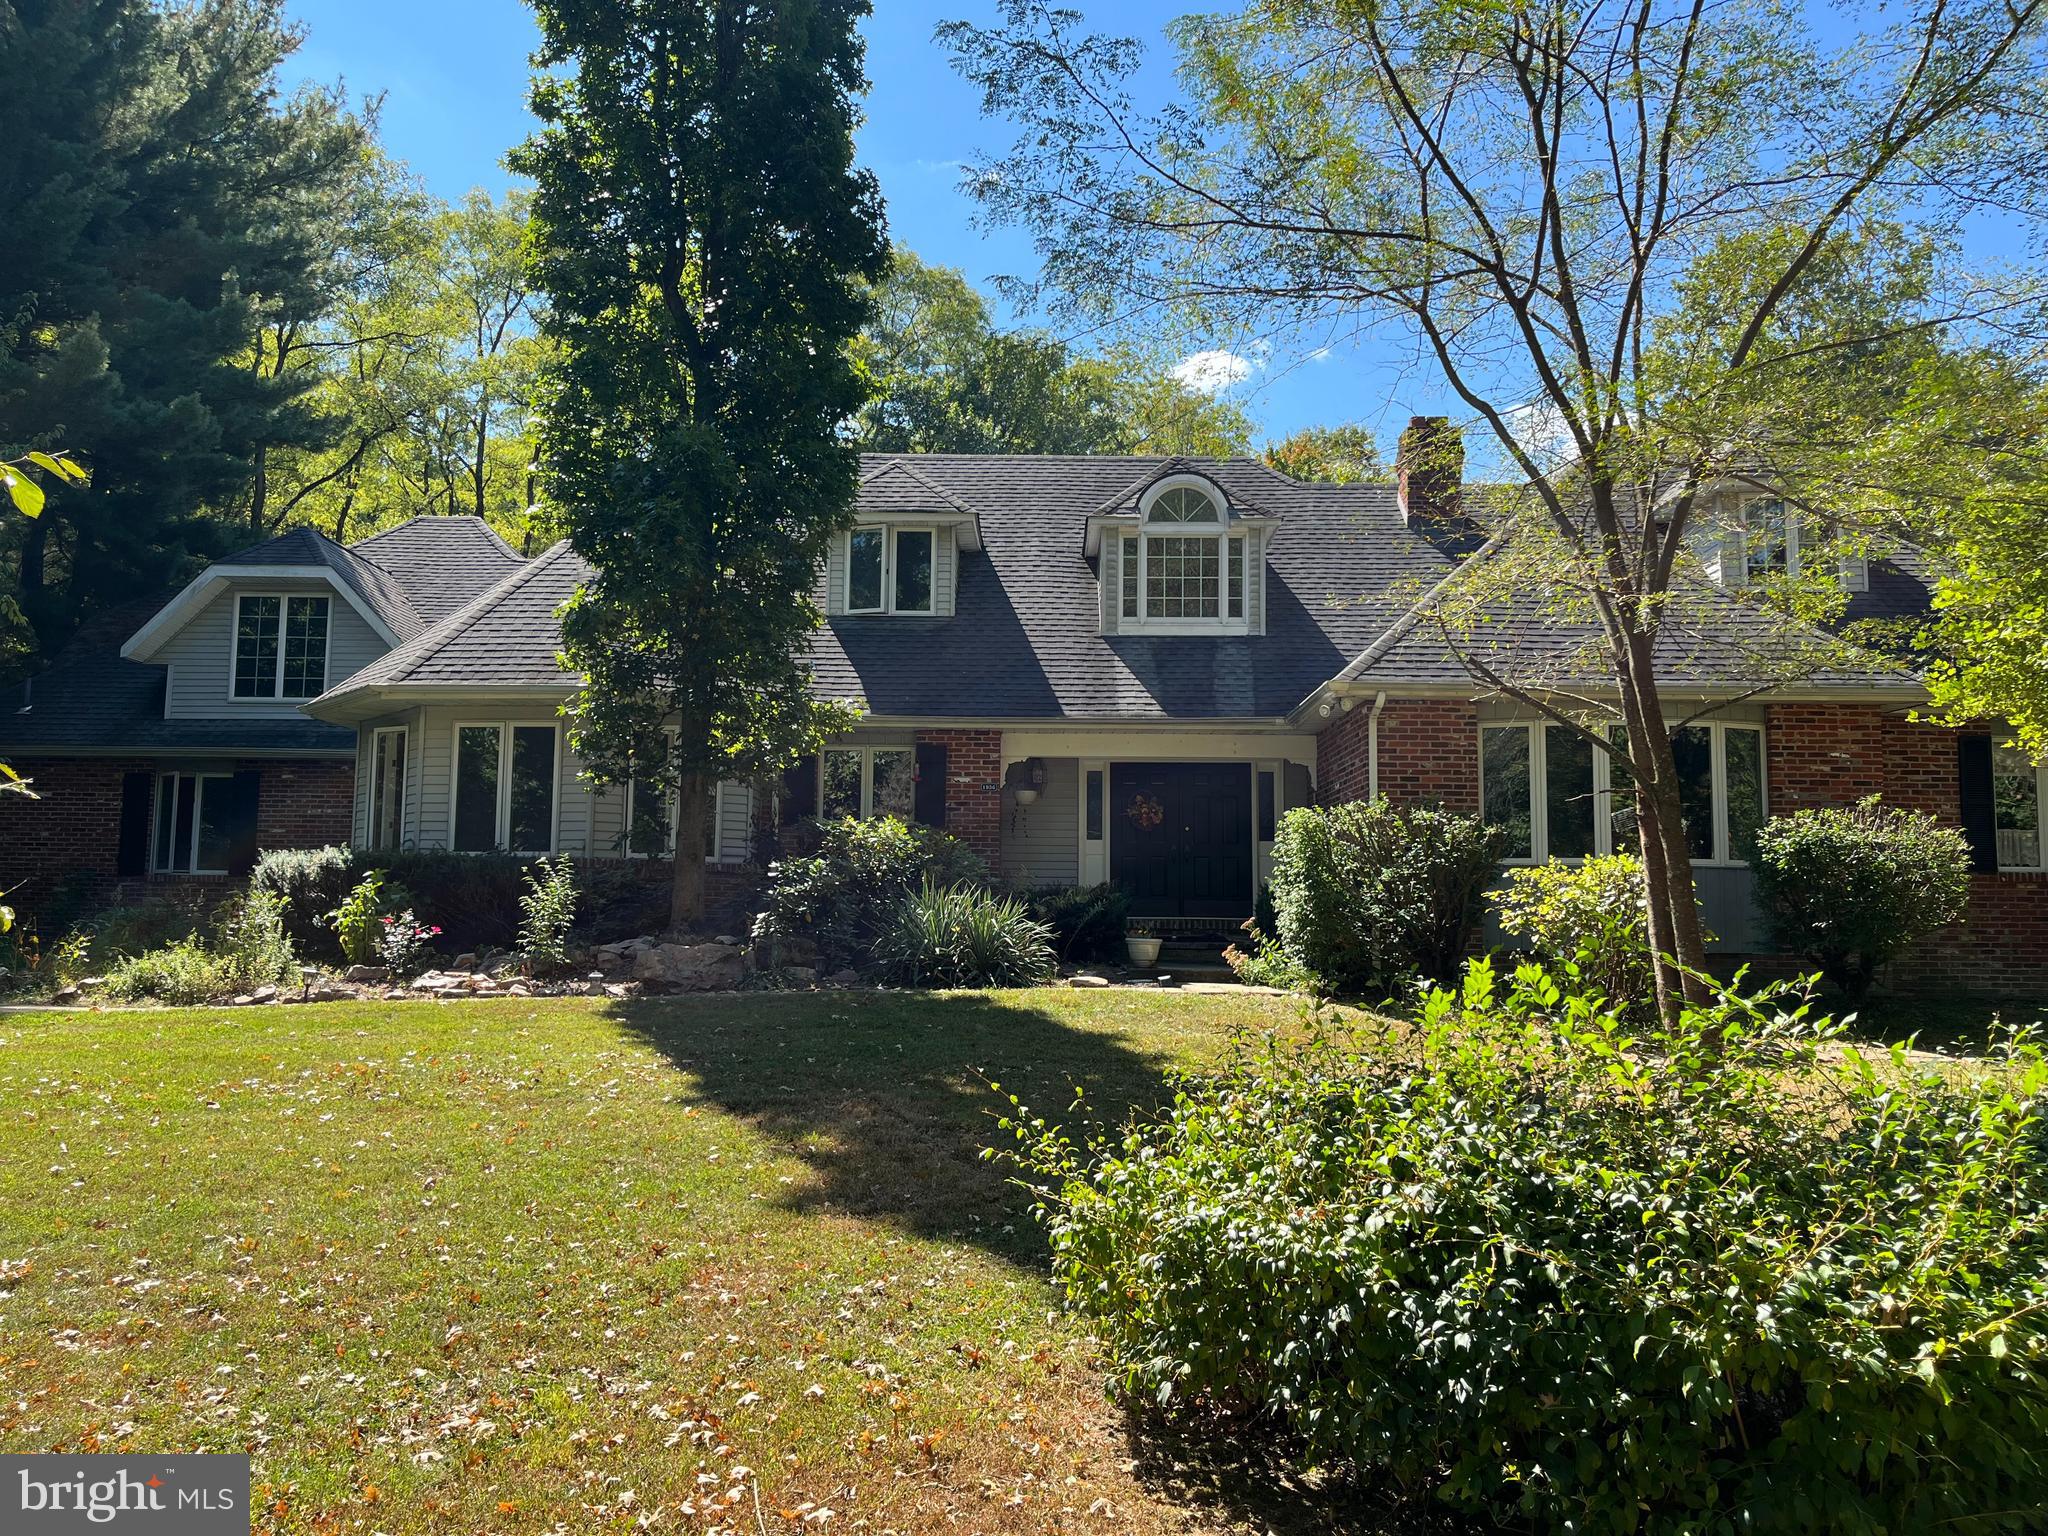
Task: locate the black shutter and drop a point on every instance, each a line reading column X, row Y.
column 929, row 806
column 131, row 854
column 1979, row 810
column 800, row 792
column 241, row 822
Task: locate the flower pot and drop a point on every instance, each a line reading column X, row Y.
column 1144, row 951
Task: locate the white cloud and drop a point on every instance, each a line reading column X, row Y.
column 1212, row 372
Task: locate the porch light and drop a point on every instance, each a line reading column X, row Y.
column 1030, row 781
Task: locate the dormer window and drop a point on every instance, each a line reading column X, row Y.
column 889, row 570
column 1777, row 542
column 280, row 646
column 1183, row 567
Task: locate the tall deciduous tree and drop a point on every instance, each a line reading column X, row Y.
column 1612, row 226
column 157, row 191
column 705, row 247
column 946, row 380
column 1335, row 455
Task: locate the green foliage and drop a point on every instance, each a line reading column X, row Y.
column 1587, row 915
column 473, row 897
column 1087, row 921
column 357, row 922
column 125, row 931
column 1366, row 895
column 1266, row 963
column 1717, row 1279
column 1849, row 887
column 1342, row 455
column 964, row 936
column 842, row 897
column 404, row 942
column 945, row 380
column 547, row 912
column 310, row 883
column 249, row 949
column 706, row 245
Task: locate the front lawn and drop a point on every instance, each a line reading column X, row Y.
column 508, row 1266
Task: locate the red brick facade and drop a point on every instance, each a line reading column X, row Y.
column 974, row 789
column 1429, row 754
column 1834, row 754
column 66, row 843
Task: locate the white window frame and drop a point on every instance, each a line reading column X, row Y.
column 502, row 831
column 2040, row 863
column 717, row 853
column 1234, row 544
column 867, row 778
column 156, row 806
column 284, row 608
column 892, row 535
column 1852, row 571
column 1537, row 739
column 404, row 784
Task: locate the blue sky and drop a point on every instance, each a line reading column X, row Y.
column 453, row 77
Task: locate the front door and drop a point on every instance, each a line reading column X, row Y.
column 1180, row 838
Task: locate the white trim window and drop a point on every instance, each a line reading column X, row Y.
column 388, row 752
column 2016, row 796
column 865, row 782
column 651, row 820
column 280, row 646
column 502, row 787
column 1777, row 542
column 891, row 570
column 1585, row 806
column 194, row 832
column 1183, row 568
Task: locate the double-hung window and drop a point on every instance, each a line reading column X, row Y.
column 868, row 781
column 387, row 787
column 196, row 818
column 1558, row 796
column 1183, row 566
column 2016, row 803
column 280, row 646
column 504, row 788
column 651, row 820
column 890, row 570
column 1777, row 541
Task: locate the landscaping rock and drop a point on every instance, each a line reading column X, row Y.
column 801, row 975
column 692, row 967
column 263, row 995
column 846, row 978
column 1084, row 979
column 66, row 994
column 466, row 962
column 360, row 975
column 725, row 938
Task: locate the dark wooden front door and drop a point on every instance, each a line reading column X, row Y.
column 1180, row 838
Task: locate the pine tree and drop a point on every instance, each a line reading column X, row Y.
column 705, row 246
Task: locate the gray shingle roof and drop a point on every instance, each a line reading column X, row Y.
column 377, row 587
column 441, row 562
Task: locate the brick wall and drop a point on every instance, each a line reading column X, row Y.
column 974, row 789
column 1833, row 754
column 1429, row 754
column 66, row 842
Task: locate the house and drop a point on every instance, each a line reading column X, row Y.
column 1088, row 669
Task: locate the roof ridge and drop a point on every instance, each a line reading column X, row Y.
column 903, row 465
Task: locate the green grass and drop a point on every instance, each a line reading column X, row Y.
column 503, row 1266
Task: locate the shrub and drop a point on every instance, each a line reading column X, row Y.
column 254, row 949
column 964, row 936
column 358, row 921
column 1722, row 1281
column 1266, row 964
column 548, row 909
column 843, row 896
column 120, row 932
column 311, row 883
column 1848, row 888
column 1087, row 921
column 184, row 971
column 1366, row 895
column 404, row 942
column 1591, row 916
column 473, row 896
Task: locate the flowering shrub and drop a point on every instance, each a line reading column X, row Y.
column 403, row 943
column 549, row 909
column 357, row 922
column 1563, row 1274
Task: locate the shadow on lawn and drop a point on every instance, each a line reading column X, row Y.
column 886, row 1095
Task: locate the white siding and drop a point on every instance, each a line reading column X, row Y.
column 835, row 576
column 1110, row 575
column 200, row 654
column 1042, row 842
column 1255, row 579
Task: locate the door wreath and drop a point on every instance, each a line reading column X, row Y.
column 1145, row 812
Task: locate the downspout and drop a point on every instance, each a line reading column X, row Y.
column 1372, row 747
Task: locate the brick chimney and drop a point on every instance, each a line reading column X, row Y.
column 1429, row 468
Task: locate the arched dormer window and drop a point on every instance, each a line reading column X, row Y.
column 1184, row 565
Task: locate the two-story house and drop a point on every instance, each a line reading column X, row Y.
column 1088, row 668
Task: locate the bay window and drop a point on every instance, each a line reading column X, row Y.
column 1559, row 797
column 503, row 794
column 280, row 646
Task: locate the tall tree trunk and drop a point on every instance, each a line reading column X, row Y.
column 259, row 489
column 483, row 438
column 1672, row 906
column 686, row 899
